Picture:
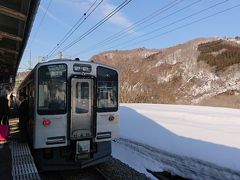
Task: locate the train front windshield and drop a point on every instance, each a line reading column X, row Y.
column 52, row 89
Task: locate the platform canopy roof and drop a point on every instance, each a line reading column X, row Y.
column 16, row 20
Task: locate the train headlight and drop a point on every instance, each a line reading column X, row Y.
column 46, row 122
column 111, row 118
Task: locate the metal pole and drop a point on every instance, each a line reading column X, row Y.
column 60, row 55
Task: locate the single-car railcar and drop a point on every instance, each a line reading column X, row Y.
column 73, row 112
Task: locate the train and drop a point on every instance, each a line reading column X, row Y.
column 73, row 112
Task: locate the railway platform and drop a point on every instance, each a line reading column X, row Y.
column 16, row 161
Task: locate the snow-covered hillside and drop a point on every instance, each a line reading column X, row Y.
column 204, row 139
column 194, row 72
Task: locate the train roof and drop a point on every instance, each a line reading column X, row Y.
column 53, row 61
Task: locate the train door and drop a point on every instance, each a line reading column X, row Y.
column 81, row 109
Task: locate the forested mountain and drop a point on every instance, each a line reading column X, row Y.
column 202, row 71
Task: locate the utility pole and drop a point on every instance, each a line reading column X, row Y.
column 41, row 59
column 60, row 55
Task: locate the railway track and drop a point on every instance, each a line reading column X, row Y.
column 83, row 174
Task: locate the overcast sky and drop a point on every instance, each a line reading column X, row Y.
column 141, row 23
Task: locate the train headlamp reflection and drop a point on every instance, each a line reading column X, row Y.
column 46, row 122
column 111, row 118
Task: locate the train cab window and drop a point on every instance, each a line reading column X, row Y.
column 52, row 89
column 107, row 89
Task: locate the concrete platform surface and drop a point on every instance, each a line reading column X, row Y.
column 16, row 161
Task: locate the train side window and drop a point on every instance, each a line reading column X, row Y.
column 107, row 89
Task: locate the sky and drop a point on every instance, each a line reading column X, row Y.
column 195, row 142
column 140, row 23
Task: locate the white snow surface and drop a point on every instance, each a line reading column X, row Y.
column 209, row 134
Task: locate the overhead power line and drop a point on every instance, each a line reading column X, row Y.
column 97, row 25
column 131, row 27
column 79, row 22
column 41, row 21
column 124, row 34
column 188, row 24
column 172, row 23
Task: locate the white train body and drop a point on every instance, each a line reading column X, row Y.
column 73, row 112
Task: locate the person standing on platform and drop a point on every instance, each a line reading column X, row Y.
column 1, row 109
column 4, row 109
column 11, row 99
column 23, row 115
